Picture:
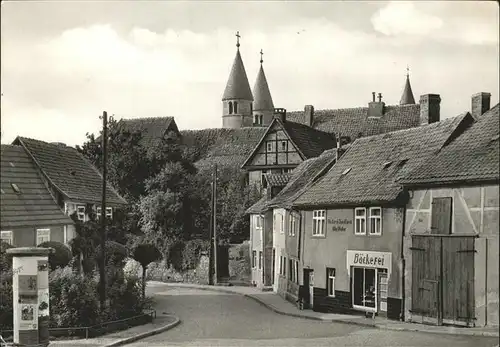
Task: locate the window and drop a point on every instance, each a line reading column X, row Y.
column 330, row 284
column 441, row 215
column 235, row 107
column 319, row 223
column 297, row 271
column 109, row 212
column 375, row 221
column 285, row 171
column 80, row 212
column 261, row 119
column 282, row 223
column 254, row 259
column 283, row 146
column 256, row 119
column 6, row 236
column 281, row 265
column 230, row 107
column 364, row 288
column 284, row 266
column 42, row 235
column 258, row 222
column 293, row 223
column 274, row 265
column 260, row 260
column 291, row 266
column 360, row 218
column 269, row 146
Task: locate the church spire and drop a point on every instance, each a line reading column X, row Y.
column 407, row 97
column 263, row 102
column 237, row 86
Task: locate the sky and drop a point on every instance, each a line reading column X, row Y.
column 65, row 62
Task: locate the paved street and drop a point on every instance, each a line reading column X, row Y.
column 220, row 319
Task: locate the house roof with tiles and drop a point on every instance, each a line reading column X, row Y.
column 224, row 147
column 279, row 180
column 259, row 207
column 152, row 129
column 302, row 176
column 69, row 172
column 369, row 171
column 355, row 123
column 473, row 156
column 25, row 200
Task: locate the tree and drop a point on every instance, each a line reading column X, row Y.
column 145, row 254
column 60, row 257
column 5, row 259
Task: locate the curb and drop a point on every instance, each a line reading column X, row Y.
column 146, row 334
column 462, row 331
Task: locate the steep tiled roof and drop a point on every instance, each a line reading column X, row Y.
column 302, row 176
column 311, row 142
column 71, row 173
column 259, row 207
column 354, row 122
column 472, row 156
column 237, row 86
column 261, row 93
column 222, row 146
column 279, row 180
column 33, row 206
column 369, row 170
column 152, row 129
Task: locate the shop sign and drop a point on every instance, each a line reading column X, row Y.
column 369, row 259
column 340, row 221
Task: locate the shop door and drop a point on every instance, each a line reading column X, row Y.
column 382, row 291
column 364, row 286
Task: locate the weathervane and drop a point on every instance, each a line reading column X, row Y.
column 261, row 55
column 407, row 71
column 238, row 39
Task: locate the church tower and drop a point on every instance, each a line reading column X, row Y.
column 263, row 107
column 407, row 97
column 237, row 99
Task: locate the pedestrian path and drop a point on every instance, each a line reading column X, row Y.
column 160, row 323
column 279, row 305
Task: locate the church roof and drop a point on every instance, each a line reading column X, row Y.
column 262, row 95
column 407, row 97
column 237, row 86
column 152, row 129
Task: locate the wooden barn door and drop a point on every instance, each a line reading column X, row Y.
column 443, row 277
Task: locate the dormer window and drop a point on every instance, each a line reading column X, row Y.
column 15, row 188
column 235, row 107
column 230, row 107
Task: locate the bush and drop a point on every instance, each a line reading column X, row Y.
column 116, row 253
column 5, row 259
column 60, row 257
column 6, row 309
column 192, row 253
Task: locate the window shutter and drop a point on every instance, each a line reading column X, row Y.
column 441, row 216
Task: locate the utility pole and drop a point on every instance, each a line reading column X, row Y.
column 102, row 265
column 210, row 238
column 214, row 223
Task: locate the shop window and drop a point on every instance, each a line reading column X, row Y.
column 330, row 285
column 6, row 236
column 364, row 294
column 260, row 260
column 319, row 222
column 254, row 259
column 375, row 221
column 42, row 235
column 360, row 221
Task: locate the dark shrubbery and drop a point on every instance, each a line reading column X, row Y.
column 60, row 257
column 6, row 309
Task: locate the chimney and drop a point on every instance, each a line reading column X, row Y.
column 280, row 113
column 309, row 115
column 376, row 108
column 480, row 104
column 429, row 108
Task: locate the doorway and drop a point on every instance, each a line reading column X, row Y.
column 364, row 289
column 308, row 287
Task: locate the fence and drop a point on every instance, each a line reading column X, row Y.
column 91, row 331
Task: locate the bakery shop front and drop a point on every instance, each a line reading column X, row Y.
column 369, row 273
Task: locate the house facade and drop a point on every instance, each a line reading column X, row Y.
column 451, row 237
column 72, row 180
column 30, row 214
column 353, row 220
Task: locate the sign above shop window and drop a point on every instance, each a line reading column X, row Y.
column 370, row 259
